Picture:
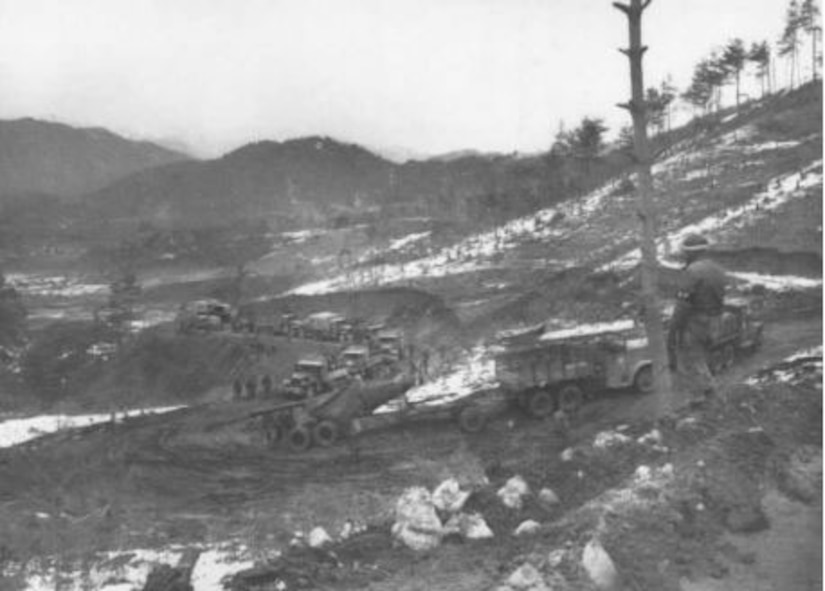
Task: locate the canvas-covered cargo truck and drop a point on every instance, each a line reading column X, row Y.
column 560, row 370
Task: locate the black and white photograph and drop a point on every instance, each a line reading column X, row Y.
column 411, row 295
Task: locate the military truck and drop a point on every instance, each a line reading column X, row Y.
column 204, row 315
column 359, row 361
column 312, row 376
column 560, row 370
column 324, row 326
column 734, row 333
column 390, row 342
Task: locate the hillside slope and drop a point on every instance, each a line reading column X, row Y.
column 747, row 180
column 56, row 159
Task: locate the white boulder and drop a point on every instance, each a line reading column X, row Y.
column 513, row 492
column 319, row 538
column 599, row 566
column 527, row 577
column 470, row 526
column 548, row 496
column 567, row 454
column 528, row 527
column 416, row 523
column 449, row 497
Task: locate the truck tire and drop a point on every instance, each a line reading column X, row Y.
column 571, row 398
column 237, row 389
column 471, row 419
column 541, row 403
column 325, row 433
column 643, row 380
column 299, row 439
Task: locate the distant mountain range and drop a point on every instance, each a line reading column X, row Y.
column 113, row 183
column 56, row 159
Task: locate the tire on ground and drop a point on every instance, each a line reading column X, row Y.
column 471, row 419
column 571, row 398
column 325, row 433
column 541, row 403
column 299, row 439
column 643, row 380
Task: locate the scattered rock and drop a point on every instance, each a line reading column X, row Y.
column 548, row 497
column 449, row 497
column 654, row 437
column 528, row 527
column 747, row 519
column 319, row 538
column 417, row 525
column 599, row 566
column 470, row 526
column 513, row 492
column 556, row 557
column 527, row 576
column 567, row 454
column 606, row 439
column 801, row 477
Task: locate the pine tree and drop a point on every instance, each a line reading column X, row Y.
column 789, row 42
column 760, row 54
column 809, row 22
column 733, row 59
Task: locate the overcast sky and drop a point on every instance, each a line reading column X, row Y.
column 426, row 75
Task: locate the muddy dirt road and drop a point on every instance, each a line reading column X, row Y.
column 179, row 478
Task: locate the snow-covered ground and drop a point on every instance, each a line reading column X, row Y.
column 780, row 191
column 127, row 570
column 66, row 286
column 472, row 253
column 15, row 431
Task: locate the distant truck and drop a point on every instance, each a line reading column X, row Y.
column 204, row 315
column 312, row 376
column 359, row 361
column 389, row 342
column 326, row 326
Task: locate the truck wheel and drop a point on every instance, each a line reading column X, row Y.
column 299, row 439
column 571, row 398
column 325, row 433
column 541, row 403
column 237, row 389
column 471, row 419
column 643, row 380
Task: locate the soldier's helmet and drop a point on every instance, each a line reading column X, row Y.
column 695, row 243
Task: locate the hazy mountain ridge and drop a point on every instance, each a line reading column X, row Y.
column 53, row 158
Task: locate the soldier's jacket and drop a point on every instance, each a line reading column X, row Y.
column 701, row 294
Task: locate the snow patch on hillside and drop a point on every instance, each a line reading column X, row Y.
column 780, row 191
column 473, row 253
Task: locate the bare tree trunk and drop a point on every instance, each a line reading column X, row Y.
column 650, row 297
column 813, row 54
